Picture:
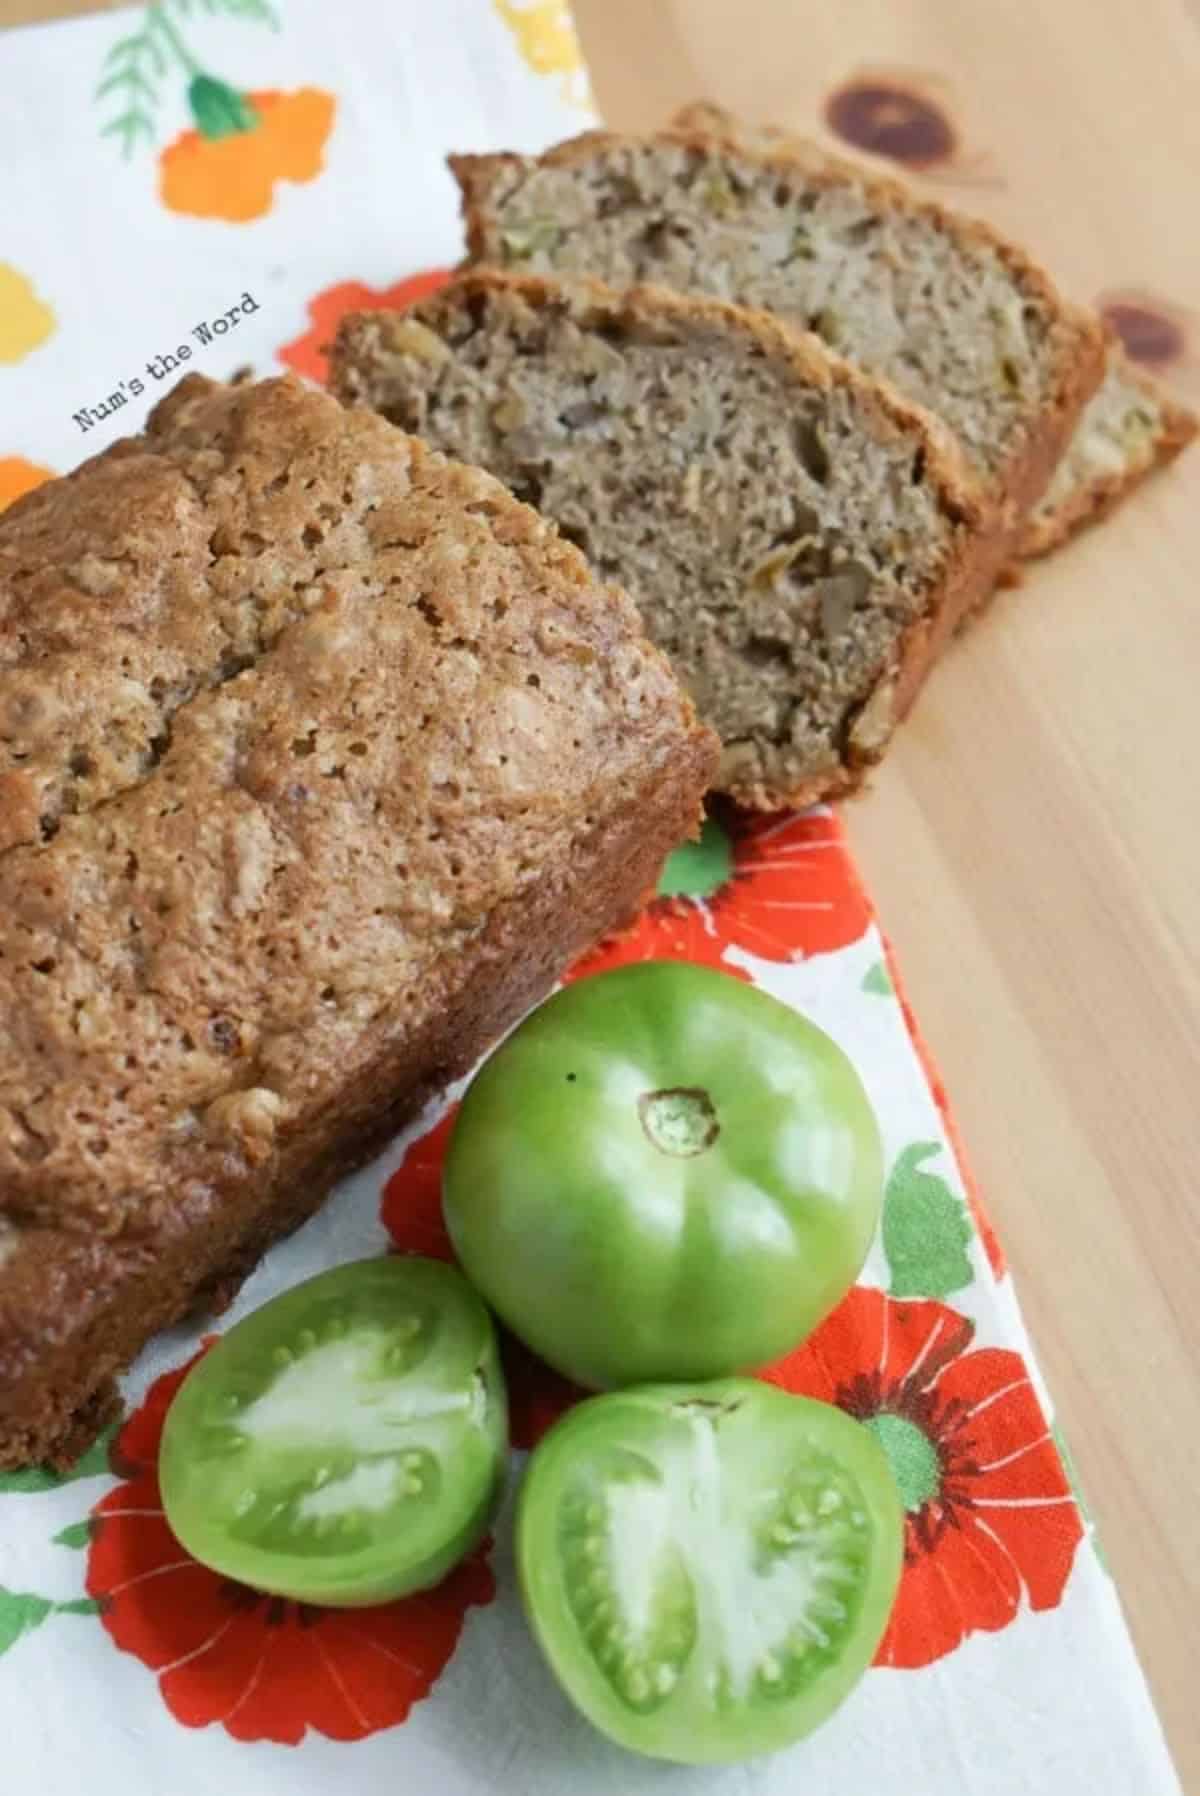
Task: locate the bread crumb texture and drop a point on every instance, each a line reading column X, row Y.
column 782, row 522
column 959, row 320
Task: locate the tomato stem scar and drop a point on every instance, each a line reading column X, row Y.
column 679, row 1120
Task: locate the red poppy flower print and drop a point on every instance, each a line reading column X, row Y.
column 263, row 1668
column 781, row 888
column 990, row 1517
column 984, row 1226
column 411, row 1212
column 306, row 354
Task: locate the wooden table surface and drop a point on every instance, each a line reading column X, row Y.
column 1033, row 842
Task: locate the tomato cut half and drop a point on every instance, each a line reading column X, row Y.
column 346, row 1442
column 708, row 1568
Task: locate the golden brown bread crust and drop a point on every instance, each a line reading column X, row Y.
column 76, row 1310
column 1079, row 337
column 233, row 971
column 970, row 564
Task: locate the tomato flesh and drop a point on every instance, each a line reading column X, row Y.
column 664, row 1173
column 708, row 1568
column 346, row 1442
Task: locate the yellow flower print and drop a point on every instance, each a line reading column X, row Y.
column 25, row 321
column 545, row 34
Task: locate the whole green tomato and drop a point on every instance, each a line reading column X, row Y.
column 663, row 1174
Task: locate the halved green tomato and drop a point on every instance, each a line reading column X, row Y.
column 708, row 1568
column 346, row 1443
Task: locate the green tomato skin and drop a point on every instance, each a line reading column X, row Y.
column 726, row 1458
column 619, row 1262
column 407, row 1547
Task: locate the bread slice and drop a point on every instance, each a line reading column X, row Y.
column 1130, row 427
column 796, row 535
column 438, row 761
column 960, row 320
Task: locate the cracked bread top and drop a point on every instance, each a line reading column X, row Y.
column 961, row 321
column 291, row 704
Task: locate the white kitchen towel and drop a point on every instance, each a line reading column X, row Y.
column 197, row 185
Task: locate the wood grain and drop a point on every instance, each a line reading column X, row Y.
column 29, row 12
column 1034, row 841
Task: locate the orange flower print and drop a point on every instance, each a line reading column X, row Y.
column 306, row 354
column 25, row 320
column 991, row 1521
column 242, row 144
column 18, row 476
column 781, row 888
column 411, row 1212
column 260, row 1667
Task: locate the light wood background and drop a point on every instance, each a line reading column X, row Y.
column 1033, row 842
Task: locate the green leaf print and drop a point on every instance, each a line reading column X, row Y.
column 926, row 1230
column 218, row 109
column 77, row 1534
column 238, row 9
column 138, row 64
column 697, row 869
column 21, row 1612
column 37, row 1478
column 258, row 10
column 876, row 980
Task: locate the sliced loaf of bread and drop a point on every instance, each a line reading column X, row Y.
column 797, row 536
column 960, row 320
column 1129, row 427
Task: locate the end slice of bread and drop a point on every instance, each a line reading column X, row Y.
column 799, row 539
column 1130, row 427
